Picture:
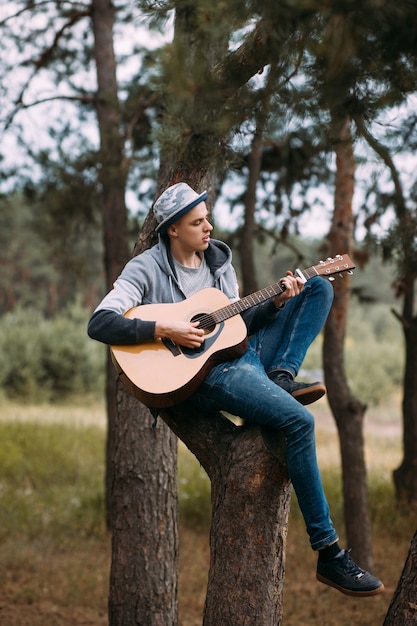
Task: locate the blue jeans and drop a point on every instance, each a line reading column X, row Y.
column 242, row 388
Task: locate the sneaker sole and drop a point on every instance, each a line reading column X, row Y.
column 351, row 592
column 310, row 394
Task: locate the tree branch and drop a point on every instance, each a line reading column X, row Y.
column 280, row 240
column 42, row 62
column 149, row 102
column 384, row 154
column 258, row 49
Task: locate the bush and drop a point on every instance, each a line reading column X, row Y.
column 49, row 359
column 20, row 353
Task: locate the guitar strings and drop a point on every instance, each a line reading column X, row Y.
column 211, row 319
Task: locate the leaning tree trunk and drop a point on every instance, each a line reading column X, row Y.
column 347, row 410
column 250, row 497
column 402, row 610
column 250, row 506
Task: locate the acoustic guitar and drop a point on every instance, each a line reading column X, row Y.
column 161, row 373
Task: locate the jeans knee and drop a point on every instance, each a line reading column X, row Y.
column 303, row 428
column 322, row 287
column 308, row 421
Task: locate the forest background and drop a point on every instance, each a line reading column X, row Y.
column 54, row 231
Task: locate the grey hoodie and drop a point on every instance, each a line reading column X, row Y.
column 150, row 278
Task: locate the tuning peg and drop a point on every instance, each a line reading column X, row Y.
column 339, row 257
column 341, row 275
column 349, row 272
column 331, row 278
column 329, row 259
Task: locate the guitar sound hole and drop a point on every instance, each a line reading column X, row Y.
column 207, row 328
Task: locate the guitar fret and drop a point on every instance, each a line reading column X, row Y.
column 246, row 303
column 309, row 273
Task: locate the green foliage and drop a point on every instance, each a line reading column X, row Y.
column 48, row 359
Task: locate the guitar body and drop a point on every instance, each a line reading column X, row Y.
column 160, row 373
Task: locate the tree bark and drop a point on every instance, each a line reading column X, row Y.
column 140, row 461
column 347, row 410
column 402, row 610
column 259, row 528
column 246, row 251
column 143, row 581
column 250, row 506
column 112, row 177
column 247, row 234
column 405, row 476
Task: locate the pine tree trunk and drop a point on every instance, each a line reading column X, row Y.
column 246, row 250
column 113, row 181
column 405, row 476
column 250, row 506
column 246, row 242
column 403, row 608
column 143, row 581
column 139, row 510
column 250, row 503
column 347, row 410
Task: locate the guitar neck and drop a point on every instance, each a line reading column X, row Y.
column 338, row 265
column 257, row 297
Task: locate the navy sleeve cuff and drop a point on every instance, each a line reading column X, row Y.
column 114, row 329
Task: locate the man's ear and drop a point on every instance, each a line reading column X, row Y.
column 172, row 230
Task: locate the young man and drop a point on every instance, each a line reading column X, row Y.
column 280, row 331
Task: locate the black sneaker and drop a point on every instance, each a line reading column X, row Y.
column 305, row 393
column 343, row 574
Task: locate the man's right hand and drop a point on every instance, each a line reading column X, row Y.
column 185, row 334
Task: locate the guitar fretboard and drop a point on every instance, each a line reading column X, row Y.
column 338, row 265
column 249, row 301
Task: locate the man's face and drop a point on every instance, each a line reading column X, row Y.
column 192, row 231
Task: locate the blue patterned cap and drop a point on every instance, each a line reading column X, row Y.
column 175, row 202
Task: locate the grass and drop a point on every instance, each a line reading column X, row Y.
column 55, row 550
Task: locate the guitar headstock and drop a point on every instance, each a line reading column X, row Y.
column 338, row 265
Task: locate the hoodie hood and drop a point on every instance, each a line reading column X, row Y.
column 218, row 257
column 150, row 277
